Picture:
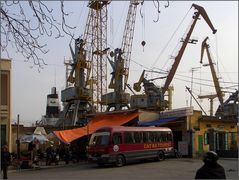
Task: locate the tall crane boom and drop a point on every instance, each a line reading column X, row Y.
column 120, row 65
column 95, row 38
column 128, row 35
column 215, row 79
column 200, row 11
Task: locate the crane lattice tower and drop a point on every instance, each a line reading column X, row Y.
column 95, row 37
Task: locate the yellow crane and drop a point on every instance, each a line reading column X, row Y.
column 89, row 71
column 120, row 64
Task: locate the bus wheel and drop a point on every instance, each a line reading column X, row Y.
column 120, row 161
column 160, row 156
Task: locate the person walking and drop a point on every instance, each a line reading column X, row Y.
column 211, row 169
column 5, row 160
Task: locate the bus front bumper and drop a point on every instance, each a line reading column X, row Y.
column 103, row 159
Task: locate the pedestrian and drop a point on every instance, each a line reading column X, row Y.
column 211, row 169
column 5, row 160
column 67, row 155
column 49, row 153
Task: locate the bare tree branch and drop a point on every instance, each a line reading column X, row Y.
column 23, row 31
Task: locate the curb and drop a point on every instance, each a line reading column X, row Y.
column 45, row 167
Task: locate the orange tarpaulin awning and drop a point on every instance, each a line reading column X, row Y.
column 114, row 119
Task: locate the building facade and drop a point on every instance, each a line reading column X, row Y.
column 194, row 133
column 216, row 135
column 5, row 102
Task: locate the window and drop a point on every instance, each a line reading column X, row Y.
column 4, row 89
column 129, row 138
column 169, row 136
column 206, row 138
column 117, row 138
column 151, row 136
column 99, row 139
column 102, row 140
column 165, row 136
column 145, row 137
column 3, row 135
column 138, row 137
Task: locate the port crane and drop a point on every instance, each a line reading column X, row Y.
column 152, row 99
column 136, row 99
column 88, row 68
column 219, row 94
column 199, row 11
column 228, row 110
column 77, row 98
column 119, row 99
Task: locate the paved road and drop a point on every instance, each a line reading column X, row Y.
column 168, row 169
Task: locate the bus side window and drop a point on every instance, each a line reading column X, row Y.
column 117, row 138
column 157, row 136
column 164, row 135
column 145, row 137
column 160, row 137
column 151, row 136
column 137, row 137
column 169, row 138
column 129, row 138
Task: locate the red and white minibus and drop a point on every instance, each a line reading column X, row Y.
column 118, row 144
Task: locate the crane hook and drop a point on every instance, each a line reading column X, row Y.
column 143, row 44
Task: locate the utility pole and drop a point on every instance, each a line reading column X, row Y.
column 18, row 141
column 193, row 69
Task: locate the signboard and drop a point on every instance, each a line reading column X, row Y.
column 147, row 116
column 183, row 147
column 181, row 112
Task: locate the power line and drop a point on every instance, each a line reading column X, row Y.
column 202, row 83
column 208, row 80
column 161, row 70
column 169, row 40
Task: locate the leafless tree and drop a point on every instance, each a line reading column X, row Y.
column 22, row 29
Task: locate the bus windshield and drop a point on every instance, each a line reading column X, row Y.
column 101, row 138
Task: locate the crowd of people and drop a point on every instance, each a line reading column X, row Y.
column 50, row 154
column 210, row 170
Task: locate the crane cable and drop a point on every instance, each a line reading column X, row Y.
column 157, row 10
column 142, row 14
column 218, row 61
column 179, row 43
column 121, row 17
column 161, row 52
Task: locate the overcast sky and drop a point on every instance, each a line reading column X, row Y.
column 30, row 87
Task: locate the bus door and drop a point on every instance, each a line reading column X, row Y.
column 117, row 141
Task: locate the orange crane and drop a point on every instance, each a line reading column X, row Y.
column 214, row 76
column 199, row 11
column 155, row 96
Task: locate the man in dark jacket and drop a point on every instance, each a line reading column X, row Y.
column 211, row 169
column 5, row 160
